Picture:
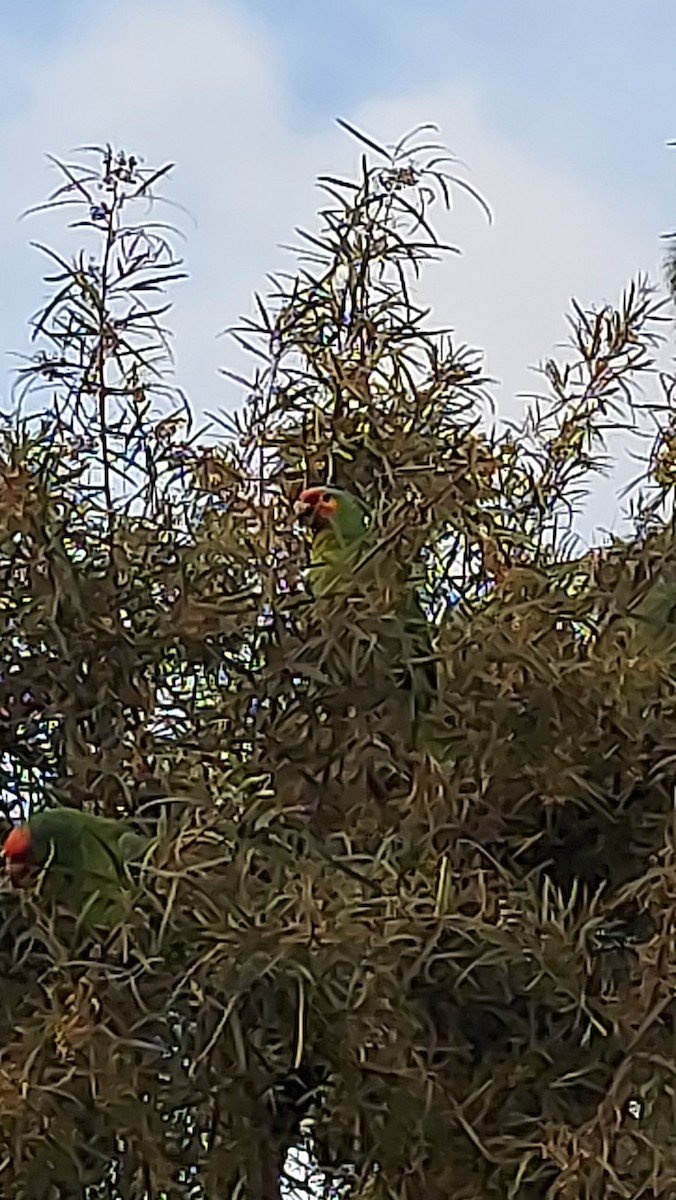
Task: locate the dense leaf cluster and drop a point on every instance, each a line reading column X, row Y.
column 433, row 943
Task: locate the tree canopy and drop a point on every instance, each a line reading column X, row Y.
column 431, row 943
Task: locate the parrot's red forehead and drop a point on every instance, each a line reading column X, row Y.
column 17, row 843
column 318, row 499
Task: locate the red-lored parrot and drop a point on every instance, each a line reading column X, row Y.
column 82, row 859
column 340, row 536
column 345, row 555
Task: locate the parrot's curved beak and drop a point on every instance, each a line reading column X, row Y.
column 306, row 508
column 16, row 853
column 302, row 508
column 19, row 872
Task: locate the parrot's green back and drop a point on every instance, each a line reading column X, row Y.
column 85, row 859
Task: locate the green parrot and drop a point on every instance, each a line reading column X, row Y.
column 84, row 858
column 345, row 554
column 341, row 536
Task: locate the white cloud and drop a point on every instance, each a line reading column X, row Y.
column 203, row 85
column 553, row 238
column 194, row 85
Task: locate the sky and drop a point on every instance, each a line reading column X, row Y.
column 560, row 112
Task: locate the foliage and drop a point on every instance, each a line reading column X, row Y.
column 440, row 951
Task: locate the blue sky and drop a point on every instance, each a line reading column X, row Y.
column 560, row 109
column 589, row 83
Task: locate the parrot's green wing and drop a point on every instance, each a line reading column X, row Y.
column 85, row 859
column 132, row 846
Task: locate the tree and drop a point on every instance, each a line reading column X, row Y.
column 437, row 951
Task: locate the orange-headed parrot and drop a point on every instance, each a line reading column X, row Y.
column 344, row 551
column 81, row 858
